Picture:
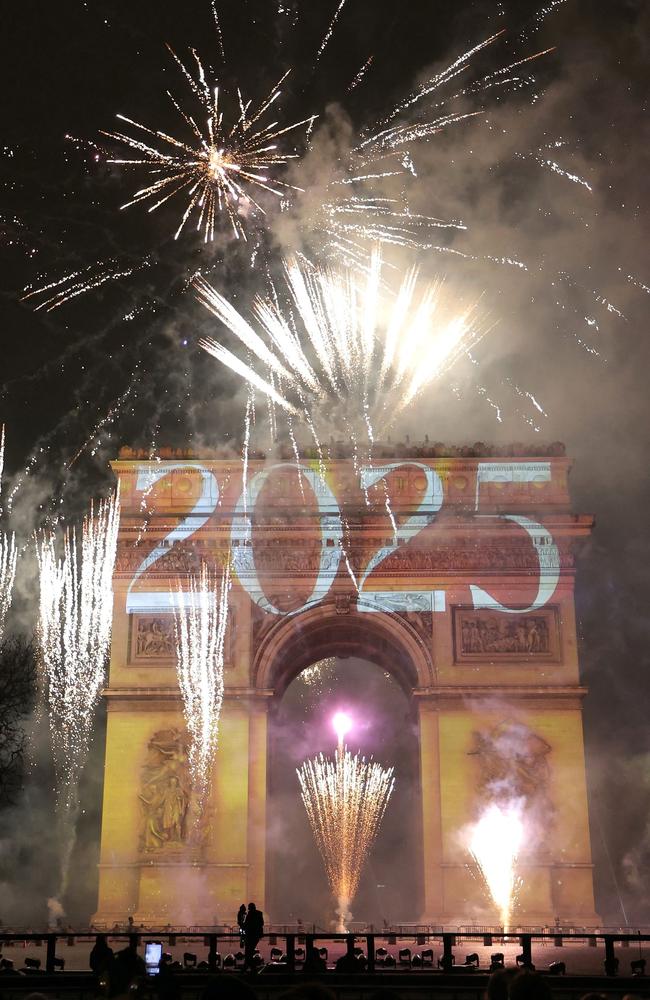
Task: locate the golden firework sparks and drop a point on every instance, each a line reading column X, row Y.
column 345, row 800
column 200, row 618
column 222, row 165
column 353, row 343
column 494, row 842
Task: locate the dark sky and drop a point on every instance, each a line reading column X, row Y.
column 67, row 68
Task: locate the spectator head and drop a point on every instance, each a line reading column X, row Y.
column 527, row 985
column 498, row 983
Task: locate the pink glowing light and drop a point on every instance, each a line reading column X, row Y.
column 342, row 724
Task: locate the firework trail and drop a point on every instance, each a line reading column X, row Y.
column 330, row 30
column 353, row 346
column 364, row 197
column 73, row 636
column 222, row 166
column 494, row 842
column 8, row 554
column 57, row 292
column 200, row 620
column 345, row 800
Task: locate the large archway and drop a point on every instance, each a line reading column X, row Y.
column 375, row 663
column 336, row 628
column 386, row 729
column 503, row 545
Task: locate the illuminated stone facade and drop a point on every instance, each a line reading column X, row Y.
column 464, row 592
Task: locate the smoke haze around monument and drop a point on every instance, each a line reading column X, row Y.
column 556, row 364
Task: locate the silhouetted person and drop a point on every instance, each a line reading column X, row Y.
column 241, row 920
column 314, row 964
column 349, row 962
column 253, row 930
column 527, row 985
column 166, row 981
column 498, row 983
column 126, row 967
column 101, row 956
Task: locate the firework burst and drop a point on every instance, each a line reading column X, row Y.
column 73, row 634
column 8, row 554
column 345, row 800
column 494, row 842
column 222, row 166
column 200, row 618
column 354, row 345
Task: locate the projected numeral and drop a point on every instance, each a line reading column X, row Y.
column 331, row 531
column 510, row 472
column 429, row 506
column 548, row 559
column 148, row 476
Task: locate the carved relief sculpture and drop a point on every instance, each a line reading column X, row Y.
column 165, row 792
column 482, row 634
column 152, row 639
column 513, row 766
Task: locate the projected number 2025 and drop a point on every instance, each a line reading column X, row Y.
column 332, row 546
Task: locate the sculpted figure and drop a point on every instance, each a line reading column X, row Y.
column 513, row 764
column 173, row 809
column 165, row 795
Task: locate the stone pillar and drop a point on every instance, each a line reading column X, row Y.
column 257, row 793
column 431, row 820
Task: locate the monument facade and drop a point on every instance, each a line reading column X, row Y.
column 456, row 574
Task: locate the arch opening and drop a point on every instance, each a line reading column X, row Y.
column 390, row 641
column 385, row 727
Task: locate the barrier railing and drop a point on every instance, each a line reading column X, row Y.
column 298, row 942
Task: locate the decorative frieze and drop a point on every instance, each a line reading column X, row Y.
column 152, row 639
column 492, row 635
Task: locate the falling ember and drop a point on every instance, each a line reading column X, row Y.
column 345, row 800
column 223, row 164
column 73, row 636
column 8, row 554
column 351, row 344
column 313, row 675
column 200, row 619
column 494, row 842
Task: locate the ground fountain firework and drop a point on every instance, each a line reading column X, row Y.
column 73, row 637
column 345, row 800
column 200, row 620
column 494, row 842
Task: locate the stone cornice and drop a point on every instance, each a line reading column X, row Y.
column 170, row 694
column 505, row 692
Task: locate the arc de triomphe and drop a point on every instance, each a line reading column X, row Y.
column 454, row 574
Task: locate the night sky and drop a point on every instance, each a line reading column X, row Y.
column 565, row 356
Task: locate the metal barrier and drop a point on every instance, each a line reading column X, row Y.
column 421, row 933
